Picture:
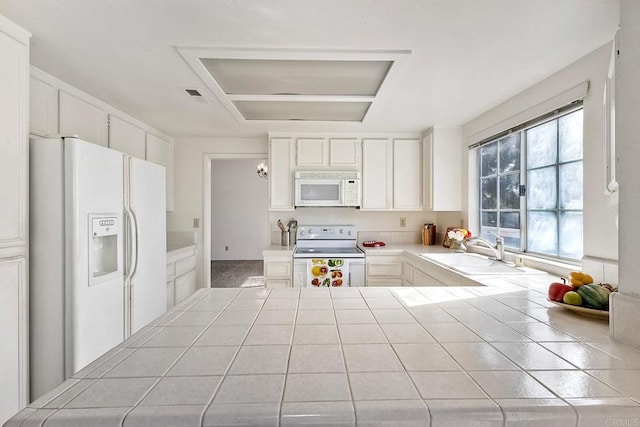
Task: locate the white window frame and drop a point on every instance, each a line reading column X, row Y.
column 475, row 178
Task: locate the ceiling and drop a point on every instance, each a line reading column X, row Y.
column 466, row 56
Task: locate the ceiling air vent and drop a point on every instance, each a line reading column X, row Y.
column 196, row 95
column 193, row 92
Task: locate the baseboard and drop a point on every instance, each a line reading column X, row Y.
column 624, row 322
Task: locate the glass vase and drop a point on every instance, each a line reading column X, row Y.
column 457, row 246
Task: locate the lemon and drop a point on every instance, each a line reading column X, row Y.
column 572, row 298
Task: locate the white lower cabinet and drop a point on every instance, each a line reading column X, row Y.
column 277, row 271
column 181, row 275
column 13, row 330
column 185, row 286
column 407, row 274
column 384, row 270
column 420, row 272
column 171, row 300
column 420, row 278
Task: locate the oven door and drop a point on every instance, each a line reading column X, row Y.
column 328, row 272
column 319, row 192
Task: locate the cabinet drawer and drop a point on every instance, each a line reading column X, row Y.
column 385, row 269
column 277, row 269
column 170, row 270
column 185, row 285
column 185, row 264
column 278, row 283
column 390, row 281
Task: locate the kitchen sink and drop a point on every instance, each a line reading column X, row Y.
column 474, row 264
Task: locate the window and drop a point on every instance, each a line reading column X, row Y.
column 531, row 187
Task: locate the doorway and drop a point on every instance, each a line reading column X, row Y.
column 237, row 224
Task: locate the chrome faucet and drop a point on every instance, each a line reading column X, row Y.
column 498, row 248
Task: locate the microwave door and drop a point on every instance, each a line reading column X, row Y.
column 314, row 192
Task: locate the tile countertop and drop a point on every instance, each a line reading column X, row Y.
column 174, row 247
column 476, row 355
column 399, row 249
column 278, row 250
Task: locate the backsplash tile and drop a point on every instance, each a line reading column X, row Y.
column 391, row 237
column 602, row 270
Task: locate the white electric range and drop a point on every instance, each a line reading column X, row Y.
column 327, row 256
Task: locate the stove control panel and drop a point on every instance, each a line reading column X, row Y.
column 326, row 232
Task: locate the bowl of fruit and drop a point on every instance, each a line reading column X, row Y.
column 582, row 295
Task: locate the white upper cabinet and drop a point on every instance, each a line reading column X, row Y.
column 442, row 160
column 56, row 107
column 280, row 174
column 377, row 174
column 126, row 137
column 407, row 174
column 321, row 153
column 311, row 152
column 392, row 174
column 391, row 168
column 14, row 81
column 160, row 151
column 43, row 107
column 344, row 152
column 87, row 121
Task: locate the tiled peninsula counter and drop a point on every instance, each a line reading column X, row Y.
column 495, row 355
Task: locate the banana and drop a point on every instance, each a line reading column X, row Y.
column 579, row 278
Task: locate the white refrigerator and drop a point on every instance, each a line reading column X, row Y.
column 97, row 254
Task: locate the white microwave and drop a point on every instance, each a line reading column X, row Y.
column 327, row 188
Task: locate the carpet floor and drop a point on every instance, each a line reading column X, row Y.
column 231, row 274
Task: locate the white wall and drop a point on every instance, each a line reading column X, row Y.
column 625, row 322
column 239, row 216
column 600, row 232
column 189, row 155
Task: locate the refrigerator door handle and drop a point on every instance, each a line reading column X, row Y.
column 129, row 269
column 131, row 252
column 132, row 240
column 134, row 251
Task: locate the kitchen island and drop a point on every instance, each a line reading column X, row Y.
column 498, row 355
